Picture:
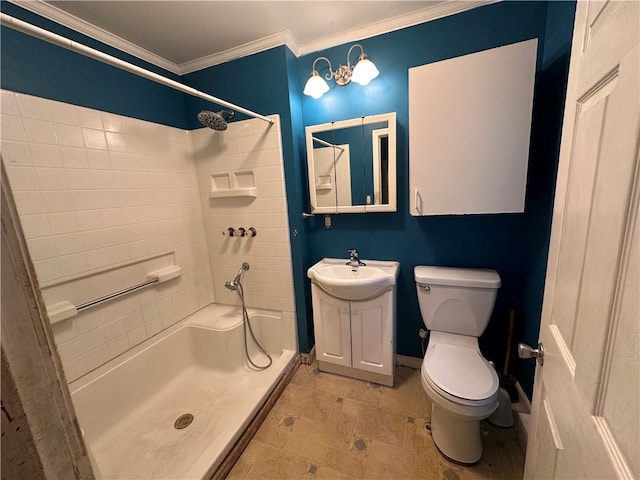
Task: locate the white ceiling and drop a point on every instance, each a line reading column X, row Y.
column 183, row 36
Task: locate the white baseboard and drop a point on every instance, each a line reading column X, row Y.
column 308, row 358
column 524, row 400
column 522, row 425
column 522, row 418
column 411, row 362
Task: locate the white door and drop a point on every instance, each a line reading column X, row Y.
column 585, row 420
column 332, row 327
column 372, row 334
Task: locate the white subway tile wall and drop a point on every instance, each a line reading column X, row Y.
column 251, row 145
column 95, row 189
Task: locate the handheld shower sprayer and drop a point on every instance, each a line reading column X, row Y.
column 236, row 286
column 233, row 284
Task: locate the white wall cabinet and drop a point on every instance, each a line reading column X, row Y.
column 469, row 129
column 355, row 338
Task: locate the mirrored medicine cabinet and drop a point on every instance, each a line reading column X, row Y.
column 352, row 165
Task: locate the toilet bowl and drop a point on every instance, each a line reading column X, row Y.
column 456, row 305
column 464, row 389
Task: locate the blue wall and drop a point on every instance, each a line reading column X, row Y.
column 549, row 108
column 35, row 67
column 514, row 244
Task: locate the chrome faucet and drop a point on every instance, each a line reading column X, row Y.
column 354, row 260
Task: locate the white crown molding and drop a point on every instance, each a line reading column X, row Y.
column 434, row 12
column 260, row 45
column 417, row 17
column 74, row 23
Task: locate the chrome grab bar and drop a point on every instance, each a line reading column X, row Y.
column 104, row 298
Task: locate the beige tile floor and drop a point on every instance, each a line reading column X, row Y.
column 326, row 426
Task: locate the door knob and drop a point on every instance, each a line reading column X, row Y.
column 525, row 351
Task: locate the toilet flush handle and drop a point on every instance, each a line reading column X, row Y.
column 525, row 351
column 424, row 287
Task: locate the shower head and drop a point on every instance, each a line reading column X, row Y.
column 214, row 120
column 233, row 284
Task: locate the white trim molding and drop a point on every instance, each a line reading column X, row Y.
column 308, row 358
column 411, row 362
column 428, row 14
column 285, row 37
column 74, row 23
column 523, row 398
column 260, row 45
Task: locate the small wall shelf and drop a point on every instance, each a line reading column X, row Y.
column 233, row 184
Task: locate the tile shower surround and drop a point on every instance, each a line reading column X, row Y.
column 95, row 190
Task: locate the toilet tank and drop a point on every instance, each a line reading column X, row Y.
column 456, row 300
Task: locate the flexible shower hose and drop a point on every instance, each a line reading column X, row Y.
column 246, row 323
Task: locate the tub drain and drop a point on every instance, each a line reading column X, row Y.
column 183, row 421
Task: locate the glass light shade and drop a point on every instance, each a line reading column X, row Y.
column 315, row 86
column 364, row 71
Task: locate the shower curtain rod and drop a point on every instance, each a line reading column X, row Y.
column 326, row 144
column 64, row 42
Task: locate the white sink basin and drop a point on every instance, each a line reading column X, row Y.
column 335, row 277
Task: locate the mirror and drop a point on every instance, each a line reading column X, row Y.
column 352, row 165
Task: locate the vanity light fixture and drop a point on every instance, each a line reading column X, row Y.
column 362, row 72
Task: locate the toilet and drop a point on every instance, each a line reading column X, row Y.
column 456, row 304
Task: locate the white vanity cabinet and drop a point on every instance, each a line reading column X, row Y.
column 356, row 338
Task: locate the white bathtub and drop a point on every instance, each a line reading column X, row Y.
column 127, row 407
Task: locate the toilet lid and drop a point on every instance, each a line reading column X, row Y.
column 460, row 371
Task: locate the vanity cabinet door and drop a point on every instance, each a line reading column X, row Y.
column 372, row 334
column 332, row 328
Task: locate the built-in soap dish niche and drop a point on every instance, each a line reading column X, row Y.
column 233, row 184
column 324, row 182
